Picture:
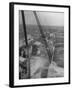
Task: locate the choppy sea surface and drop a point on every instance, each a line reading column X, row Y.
column 58, row 59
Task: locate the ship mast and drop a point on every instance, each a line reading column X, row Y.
column 26, row 42
column 42, row 35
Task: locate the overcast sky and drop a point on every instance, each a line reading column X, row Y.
column 45, row 18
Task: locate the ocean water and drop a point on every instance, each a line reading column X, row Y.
column 58, row 31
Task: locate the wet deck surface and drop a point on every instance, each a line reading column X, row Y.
column 40, row 68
